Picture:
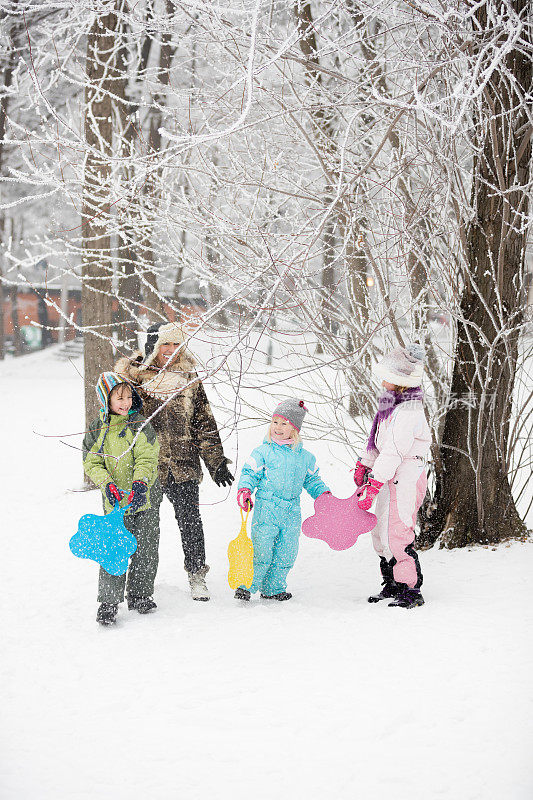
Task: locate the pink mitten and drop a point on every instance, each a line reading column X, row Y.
column 369, row 494
column 244, row 499
column 360, row 473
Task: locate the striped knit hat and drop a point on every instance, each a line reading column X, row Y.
column 105, row 385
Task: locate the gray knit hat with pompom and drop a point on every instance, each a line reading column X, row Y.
column 293, row 411
column 402, row 366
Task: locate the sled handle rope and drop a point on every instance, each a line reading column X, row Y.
column 123, row 508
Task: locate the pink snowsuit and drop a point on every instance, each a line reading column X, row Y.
column 403, row 441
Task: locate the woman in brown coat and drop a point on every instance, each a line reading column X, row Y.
column 175, row 402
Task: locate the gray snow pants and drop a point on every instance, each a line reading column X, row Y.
column 143, row 563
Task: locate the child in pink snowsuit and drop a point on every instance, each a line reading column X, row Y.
column 392, row 472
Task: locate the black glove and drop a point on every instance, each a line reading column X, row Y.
column 113, row 494
column 223, row 476
column 137, row 496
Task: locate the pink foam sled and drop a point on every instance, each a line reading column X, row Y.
column 339, row 522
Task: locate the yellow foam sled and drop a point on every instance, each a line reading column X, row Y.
column 241, row 558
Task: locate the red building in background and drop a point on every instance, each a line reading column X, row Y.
column 28, row 310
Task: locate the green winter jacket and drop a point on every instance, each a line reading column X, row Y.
column 107, row 457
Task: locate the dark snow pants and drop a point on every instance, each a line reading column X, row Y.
column 185, row 497
column 143, row 563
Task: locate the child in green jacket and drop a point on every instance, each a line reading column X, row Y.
column 120, row 454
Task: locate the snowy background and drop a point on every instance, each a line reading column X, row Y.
column 324, row 696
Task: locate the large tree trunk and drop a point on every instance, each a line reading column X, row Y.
column 97, row 267
column 475, row 504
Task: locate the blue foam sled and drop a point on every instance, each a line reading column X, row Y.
column 105, row 540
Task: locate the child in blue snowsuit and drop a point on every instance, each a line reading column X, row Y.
column 279, row 470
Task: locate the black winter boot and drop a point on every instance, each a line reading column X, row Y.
column 242, row 594
column 144, row 605
column 107, row 613
column 390, row 587
column 407, row 598
column 280, row 596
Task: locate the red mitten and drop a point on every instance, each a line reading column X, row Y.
column 244, row 499
column 360, row 474
column 369, row 494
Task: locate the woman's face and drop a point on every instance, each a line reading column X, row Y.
column 167, row 354
column 390, row 387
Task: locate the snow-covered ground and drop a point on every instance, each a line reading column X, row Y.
column 322, row 697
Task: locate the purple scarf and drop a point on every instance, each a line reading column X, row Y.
column 386, row 405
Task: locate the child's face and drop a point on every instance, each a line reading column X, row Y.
column 120, row 400
column 166, row 351
column 281, row 428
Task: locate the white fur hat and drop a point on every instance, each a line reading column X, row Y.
column 402, row 366
column 162, row 333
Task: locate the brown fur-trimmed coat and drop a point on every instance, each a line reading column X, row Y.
column 185, row 425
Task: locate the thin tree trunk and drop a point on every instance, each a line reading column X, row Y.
column 418, row 268
column 215, row 292
column 152, row 187
column 7, row 80
column 341, row 217
column 356, row 271
column 324, row 136
column 176, row 293
column 97, row 267
column 130, row 293
column 17, row 339
column 2, row 337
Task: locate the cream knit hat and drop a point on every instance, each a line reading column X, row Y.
column 402, row 366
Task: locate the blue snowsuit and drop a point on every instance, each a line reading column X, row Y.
column 279, row 473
